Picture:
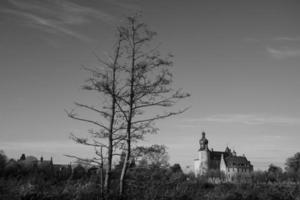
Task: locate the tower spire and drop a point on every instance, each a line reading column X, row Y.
column 203, row 142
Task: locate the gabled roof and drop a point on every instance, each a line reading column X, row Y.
column 216, row 155
column 238, row 161
column 215, row 158
column 230, row 159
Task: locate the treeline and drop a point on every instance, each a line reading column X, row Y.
column 30, row 166
column 153, row 181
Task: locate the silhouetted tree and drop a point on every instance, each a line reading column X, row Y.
column 176, row 168
column 293, row 167
column 259, row 177
column 133, row 80
column 3, row 160
column 274, row 173
column 147, row 86
column 104, row 81
column 78, row 172
column 11, row 168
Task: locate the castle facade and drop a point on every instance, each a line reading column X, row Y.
column 226, row 161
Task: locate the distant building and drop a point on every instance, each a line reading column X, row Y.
column 31, row 162
column 226, row 161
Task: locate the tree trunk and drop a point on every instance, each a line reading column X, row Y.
column 130, row 115
column 124, row 170
column 127, row 157
column 108, row 169
column 101, row 178
column 110, row 139
column 112, row 121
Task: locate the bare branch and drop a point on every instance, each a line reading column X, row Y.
column 84, row 159
column 160, row 116
column 85, row 141
column 73, row 116
column 105, row 114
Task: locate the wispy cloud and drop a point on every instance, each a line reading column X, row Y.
column 59, row 17
column 248, row 119
column 47, row 25
column 273, row 39
column 283, row 53
column 129, row 5
column 288, row 39
column 286, row 46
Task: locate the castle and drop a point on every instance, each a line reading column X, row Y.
column 226, row 161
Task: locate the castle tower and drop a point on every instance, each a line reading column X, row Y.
column 202, row 163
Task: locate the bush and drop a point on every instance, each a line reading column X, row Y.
column 144, row 184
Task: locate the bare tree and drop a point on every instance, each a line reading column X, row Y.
column 147, row 87
column 104, row 81
column 136, row 83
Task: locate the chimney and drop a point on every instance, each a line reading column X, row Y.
column 23, row 157
column 233, row 153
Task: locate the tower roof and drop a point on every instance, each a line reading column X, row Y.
column 203, row 142
column 204, row 138
column 227, row 149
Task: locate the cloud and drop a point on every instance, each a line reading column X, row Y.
column 129, row 5
column 46, row 25
column 286, row 47
column 273, row 39
column 283, row 53
column 288, row 39
column 57, row 17
column 77, row 14
column 248, row 119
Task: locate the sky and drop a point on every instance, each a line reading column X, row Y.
column 238, row 59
